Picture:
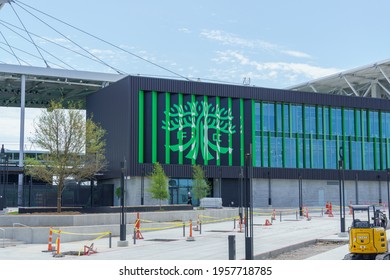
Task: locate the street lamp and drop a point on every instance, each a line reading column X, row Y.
column 122, row 240
column 248, row 208
column 341, row 190
column 300, row 195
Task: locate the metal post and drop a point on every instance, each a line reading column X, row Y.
column 232, row 247
column 122, row 242
column 341, row 190
column 142, row 185
column 300, row 195
column 269, row 190
column 248, row 208
column 379, row 190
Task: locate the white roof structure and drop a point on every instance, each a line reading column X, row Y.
column 45, row 84
column 368, row 81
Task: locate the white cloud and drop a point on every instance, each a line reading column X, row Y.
column 233, row 40
column 184, row 30
column 296, row 54
column 269, row 70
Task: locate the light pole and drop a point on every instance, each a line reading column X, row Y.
column 122, row 240
column 341, row 190
column 248, row 208
column 300, row 195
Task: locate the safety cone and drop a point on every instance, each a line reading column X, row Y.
column 58, row 243
column 49, row 244
column 273, row 217
column 307, row 213
column 330, row 210
column 267, row 223
column 190, row 238
column 327, row 207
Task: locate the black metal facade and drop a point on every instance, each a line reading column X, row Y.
column 116, row 109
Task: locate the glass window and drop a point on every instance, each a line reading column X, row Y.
column 286, row 118
column 300, row 152
column 326, row 115
column 349, row 122
column 319, row 120
column 357, row 155
column 258, row 151
column 336, row 121
column 369, row 155
column 265, row 151
column 257, row 116
column 374, row 124
column 318, row 154
column 279, row 117
column 331, row 154
column 358, row 123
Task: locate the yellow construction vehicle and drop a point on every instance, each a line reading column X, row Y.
column 367, row 234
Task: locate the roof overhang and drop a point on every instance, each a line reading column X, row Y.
column 368, row 81
column 46, row 84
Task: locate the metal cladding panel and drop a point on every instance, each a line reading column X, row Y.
column 110, row 108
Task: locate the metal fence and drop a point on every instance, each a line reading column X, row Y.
column 44, row 195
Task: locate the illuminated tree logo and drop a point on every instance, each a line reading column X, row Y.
column 206, row 123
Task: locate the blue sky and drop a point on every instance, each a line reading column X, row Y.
column 274, row 43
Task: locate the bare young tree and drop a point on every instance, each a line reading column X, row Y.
column 75, row 147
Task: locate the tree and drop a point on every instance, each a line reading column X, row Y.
column 201, row 188
column 159, row 183
column 75, row 147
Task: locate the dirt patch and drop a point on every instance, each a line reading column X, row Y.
column 309, row 251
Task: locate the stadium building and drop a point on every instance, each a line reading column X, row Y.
column 294, row 146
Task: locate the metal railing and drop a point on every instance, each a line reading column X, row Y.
column 22, row 225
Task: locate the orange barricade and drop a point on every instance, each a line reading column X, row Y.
column 138, row 234
column 330, row 210
column 49, row 245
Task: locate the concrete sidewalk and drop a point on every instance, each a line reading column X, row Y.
column 211, row 244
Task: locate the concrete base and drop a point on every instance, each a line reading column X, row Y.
column 190, row 238
column 123, row 243
column 343, row 234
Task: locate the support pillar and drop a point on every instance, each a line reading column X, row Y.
column 21, row 141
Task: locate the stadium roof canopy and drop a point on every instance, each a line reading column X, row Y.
column 45, row 84
column 367, row 81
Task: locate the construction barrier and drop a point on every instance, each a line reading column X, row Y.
column 138, row 226
column 58, row 240
column 190, row 237
column 58, row 243
column 330, row 214
column 50, row 241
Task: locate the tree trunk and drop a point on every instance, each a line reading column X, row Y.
column 59, row 196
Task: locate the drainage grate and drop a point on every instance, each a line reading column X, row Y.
column 219, row 231
column 161, row 240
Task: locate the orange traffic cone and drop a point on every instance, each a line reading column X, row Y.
column 330, row 210
column 267, row 223
column 138, row 226
column 50, row 242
